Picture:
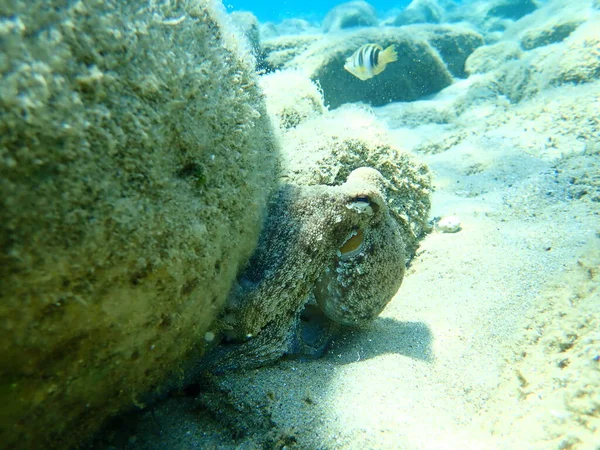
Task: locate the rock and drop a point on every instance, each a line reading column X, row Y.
column 492, row 16
column 134, row 170
column 277, row 52
column 455, row 43
column 490, row 57
column 579, row 173
column 349, row 215
column 574, row 60
column 552, row 22
column 548, row 35
column 350, row 15
column 422, row 11
column 415, row 114
column 418, row 72
column 290, row 107
column 271, row 30
column 511, row 9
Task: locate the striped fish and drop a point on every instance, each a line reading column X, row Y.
column 370, row 60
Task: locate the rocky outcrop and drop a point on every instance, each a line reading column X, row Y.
column 134, row 170
column 573, row 61
column 423, row 11
column 454, row 43
column 270, row 30
column 491, row 57
column 350, row 15
column 289, row 108
column 547, row 35
column 551, row 23
column 279, row 51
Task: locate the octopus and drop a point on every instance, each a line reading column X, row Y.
column 328, row 257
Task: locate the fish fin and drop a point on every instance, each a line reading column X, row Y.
column 358, row 72
column 388, row 55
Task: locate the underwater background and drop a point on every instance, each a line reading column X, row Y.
column 300, row 225
column 313, row 10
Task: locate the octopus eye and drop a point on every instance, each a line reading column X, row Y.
column 362, row 204
column 353, row 243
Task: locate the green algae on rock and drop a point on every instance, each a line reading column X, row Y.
column 136, row 158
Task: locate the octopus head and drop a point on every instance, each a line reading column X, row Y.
column 369, row 264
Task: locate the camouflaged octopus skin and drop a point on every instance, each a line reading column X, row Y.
column 336, row 244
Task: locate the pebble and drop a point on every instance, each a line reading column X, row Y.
column 449, row 224
column 209, row 336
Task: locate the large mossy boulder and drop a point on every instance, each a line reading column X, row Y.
column 136, row 157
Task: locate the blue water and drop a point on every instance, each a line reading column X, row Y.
column 310, row 9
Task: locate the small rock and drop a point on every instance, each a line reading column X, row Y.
column 512, row 9
column 490, row 57
column 350, row 15
column 449, row 224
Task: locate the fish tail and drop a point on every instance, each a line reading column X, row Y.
column 388, row 55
